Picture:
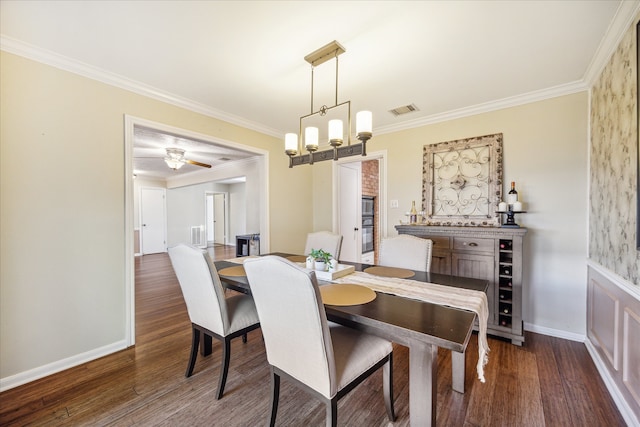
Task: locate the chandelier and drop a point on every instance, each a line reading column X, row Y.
column 293, row 143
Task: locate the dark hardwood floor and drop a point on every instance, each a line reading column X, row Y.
column 548, row 381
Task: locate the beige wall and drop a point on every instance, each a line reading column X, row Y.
column 62, row 243
column 545, row 153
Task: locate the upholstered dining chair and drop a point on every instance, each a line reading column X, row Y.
column 406, row 251
column 325, row 240
column 325, row 359
column 210, row 312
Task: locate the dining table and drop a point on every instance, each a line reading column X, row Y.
column 421, row 326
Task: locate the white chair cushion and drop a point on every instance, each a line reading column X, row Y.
column 354, row 352
column 242, row 313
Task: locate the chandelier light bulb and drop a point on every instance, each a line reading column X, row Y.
column 364, row 123
column 311, row 138
column 335, row 132
column 291, row 144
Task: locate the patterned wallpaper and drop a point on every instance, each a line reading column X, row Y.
column 614, row 145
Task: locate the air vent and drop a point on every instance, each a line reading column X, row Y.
column 404, row 109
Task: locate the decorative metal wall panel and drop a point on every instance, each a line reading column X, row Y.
column 462, row 181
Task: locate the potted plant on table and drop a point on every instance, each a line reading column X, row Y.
column 321, row 258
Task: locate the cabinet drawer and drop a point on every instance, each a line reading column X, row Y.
column 439, row 242
column 473, row 244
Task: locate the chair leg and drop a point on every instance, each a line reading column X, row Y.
column 332, row 412
column 195, row 342
column 275, row 396
column 387, row 387
column 224, row 369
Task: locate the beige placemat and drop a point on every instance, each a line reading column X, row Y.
column 400, row 273
column 236, row 270
column 297, row 258
column 346, row 294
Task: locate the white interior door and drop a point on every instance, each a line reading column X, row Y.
column 349, row 207
column 219, row 218
column 153, row 220
column 210, row 219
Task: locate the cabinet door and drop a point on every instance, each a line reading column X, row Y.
column 441, row 262
column 478, row 267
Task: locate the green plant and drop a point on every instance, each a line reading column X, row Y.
column 320, row 255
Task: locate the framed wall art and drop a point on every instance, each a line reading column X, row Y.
column 462, row 182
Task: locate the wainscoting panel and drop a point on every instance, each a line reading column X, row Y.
column 631, row 357
column 613, row 336
column 604, row 325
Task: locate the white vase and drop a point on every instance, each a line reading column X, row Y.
column 310, row 263
column 321, row 266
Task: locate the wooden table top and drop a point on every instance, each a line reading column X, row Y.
column 397, row 318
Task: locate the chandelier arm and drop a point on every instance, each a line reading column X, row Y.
column 336, row 102
column 311, row 110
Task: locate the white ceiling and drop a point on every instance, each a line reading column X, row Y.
column 242, row 61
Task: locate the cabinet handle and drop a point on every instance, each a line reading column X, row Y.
column 473, row 244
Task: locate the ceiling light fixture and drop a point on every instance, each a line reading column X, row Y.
column 293, row 142
column 175, row 158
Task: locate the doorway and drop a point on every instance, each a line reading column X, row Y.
column 216, row 226
column 260, row 187
column 354, row 179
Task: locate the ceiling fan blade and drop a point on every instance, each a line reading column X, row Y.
column 193, row 162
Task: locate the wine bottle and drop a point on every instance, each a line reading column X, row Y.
column 413, row 215
column 512, row 197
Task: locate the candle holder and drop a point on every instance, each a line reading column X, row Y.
column 510, row 213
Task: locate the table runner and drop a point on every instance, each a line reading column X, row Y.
column 451, row 296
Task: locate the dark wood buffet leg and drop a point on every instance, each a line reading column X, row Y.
column 423, row 365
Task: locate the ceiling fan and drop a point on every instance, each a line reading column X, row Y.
column 175, row 159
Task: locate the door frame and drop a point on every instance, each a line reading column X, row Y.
column 129, row 269
column 381, row 156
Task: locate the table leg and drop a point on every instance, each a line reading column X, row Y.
column 457, row 371
column 423, row 366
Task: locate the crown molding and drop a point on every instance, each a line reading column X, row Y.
column 53, row 59
column 626, row 14
column 513, row 101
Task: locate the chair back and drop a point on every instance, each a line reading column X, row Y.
column 406, row 251
column 293, row 321
column 201, row 288
column 325, row 240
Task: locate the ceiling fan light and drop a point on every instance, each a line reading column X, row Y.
column 173, row 163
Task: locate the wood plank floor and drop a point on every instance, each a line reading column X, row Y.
column 548, row 381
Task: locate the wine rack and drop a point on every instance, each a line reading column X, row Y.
column 505, row 283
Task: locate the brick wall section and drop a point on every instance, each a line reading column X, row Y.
column 370, row 186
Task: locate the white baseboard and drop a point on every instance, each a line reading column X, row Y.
column 60, row 365
column 557, row 333
column 626, row 412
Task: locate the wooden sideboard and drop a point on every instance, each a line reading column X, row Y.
column 491, row 253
